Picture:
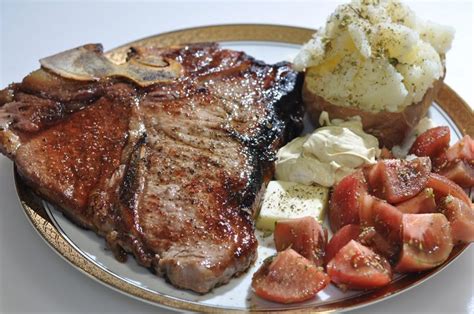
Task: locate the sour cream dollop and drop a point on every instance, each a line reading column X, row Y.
column 328, row 154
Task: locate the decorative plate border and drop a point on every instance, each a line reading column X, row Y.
column 447, row 99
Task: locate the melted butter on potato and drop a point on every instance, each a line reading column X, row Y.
column 374, row 55
column 328, row 154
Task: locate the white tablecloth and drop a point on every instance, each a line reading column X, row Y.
column 32, row 277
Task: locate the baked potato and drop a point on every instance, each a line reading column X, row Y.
column 389, row 127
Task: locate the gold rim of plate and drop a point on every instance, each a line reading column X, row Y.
column 447, row 99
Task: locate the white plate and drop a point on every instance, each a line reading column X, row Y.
column 89, row 252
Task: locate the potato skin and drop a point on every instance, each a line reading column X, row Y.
column 389, row 127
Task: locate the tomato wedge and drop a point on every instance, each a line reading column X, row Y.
column 387, row 221
column 461, row 150
column 440, row 162
column 304, row 235
column 346, row 200
column 460, row 173
column 457, row 163
column 364, row 235
column 422, row 203
column 432, row 142
column 443, row 187
column 358, row 267
column 427, row 242
column 381, row 224
column 373, row 173
column 379, row 244
column 340, row 239
column 385, row 218
column 461, row 218
column 396, row 180
column 288, row 278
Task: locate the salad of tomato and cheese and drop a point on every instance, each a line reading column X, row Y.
column 388, row 217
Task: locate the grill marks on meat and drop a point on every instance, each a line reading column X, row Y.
column 170, row 173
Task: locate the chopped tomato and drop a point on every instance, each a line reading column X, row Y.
column 371, row 238
column 439, row 162
column 387, row 221
column 427, row 242
column 461, row 218
column 340, row 239
column 443, row 187
column 304, row 235
column 365, row 210
column 459, row 172
column 457, row 163
column 422, row 203
column 288, row 278
column 381, row 223
column 385, row 218
column 397, row 180
column 374, row 174
column 432, row 142
column 462, row 150
column 364, row 235
column 346, row 201
column 358, row 267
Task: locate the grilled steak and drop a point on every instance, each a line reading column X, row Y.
column 165, row 156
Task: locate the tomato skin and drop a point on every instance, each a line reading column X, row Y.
column 358, row 267
column 288, row 278
column 422, row 203
column 457, row 163
column 460, row 173
column 380, row 227
column 432, row 142
column 440, row 162
column 461, row 218
column 381, row 223
column 340, row 239
column 384, row 218
column 427, row 242
column 379, row 244
column 304, row 235
column 397, row 180
column 365, row 211
column 387, row 221
column 364, row 235
column 461, row 150
column 346, row 200
column 443, row 187
column 374, row 175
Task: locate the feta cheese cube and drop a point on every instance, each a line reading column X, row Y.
column 284, row 200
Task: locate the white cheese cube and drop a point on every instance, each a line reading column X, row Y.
column 284, row 200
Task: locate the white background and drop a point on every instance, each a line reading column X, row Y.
column 32, row 277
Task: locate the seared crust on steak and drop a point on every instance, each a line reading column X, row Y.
column 169, row 171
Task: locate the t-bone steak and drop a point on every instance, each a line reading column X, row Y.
column 165, row 155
